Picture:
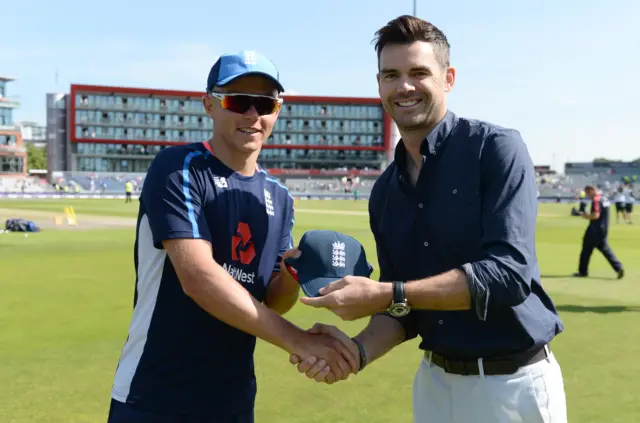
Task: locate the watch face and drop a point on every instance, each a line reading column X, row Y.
column 399, row 310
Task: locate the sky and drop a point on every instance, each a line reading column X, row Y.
column 565, row 73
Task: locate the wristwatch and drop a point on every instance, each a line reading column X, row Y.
column 399, row 306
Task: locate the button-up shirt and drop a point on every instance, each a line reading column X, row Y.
column 473, row 208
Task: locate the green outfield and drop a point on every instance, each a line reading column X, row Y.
column 66, row 299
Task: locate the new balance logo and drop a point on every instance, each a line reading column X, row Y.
column 220, row 182
column 242, row 248
column 239, row 274
column 338, row 256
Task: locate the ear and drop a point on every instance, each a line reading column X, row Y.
column 207, row 103
column 449, row 79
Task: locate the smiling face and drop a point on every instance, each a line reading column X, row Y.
column 412, row 84
column 242, row 132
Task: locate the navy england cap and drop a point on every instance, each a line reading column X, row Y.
column 327, row 256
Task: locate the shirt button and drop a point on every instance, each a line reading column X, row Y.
column 440, row 321
column 420, row 205
column 426, row 244
column 455, row 191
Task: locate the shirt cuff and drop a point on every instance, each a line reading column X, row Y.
column 479, row 292
column 407, row 323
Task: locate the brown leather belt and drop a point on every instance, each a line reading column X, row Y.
column 492, row 366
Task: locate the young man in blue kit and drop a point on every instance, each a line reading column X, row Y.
column 212, row 231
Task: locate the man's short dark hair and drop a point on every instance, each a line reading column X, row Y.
column 408, row 29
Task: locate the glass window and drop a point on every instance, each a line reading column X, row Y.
column 6, row 117
column 11, row 164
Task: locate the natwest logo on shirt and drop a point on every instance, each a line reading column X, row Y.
column 239, row 274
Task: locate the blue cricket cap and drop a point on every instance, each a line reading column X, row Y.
column 234, row 65
column 327, row 256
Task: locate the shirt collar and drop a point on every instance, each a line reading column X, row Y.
column 432, row 144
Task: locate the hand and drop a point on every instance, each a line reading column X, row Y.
column 332, row 358
column 314, row 368
column 353, row 297
column 292, row 253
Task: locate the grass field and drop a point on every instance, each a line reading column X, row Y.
column 66, row 297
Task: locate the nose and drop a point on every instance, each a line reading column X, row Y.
column 251, row 112
column 405, row 85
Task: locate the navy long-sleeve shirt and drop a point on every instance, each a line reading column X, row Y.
column 473, row 208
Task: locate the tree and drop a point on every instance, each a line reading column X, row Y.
column 36, row 157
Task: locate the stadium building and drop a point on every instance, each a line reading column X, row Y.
column 32, row 133
column 102, row 129
column 13, row 155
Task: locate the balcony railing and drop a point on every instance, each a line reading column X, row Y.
column 12, row 149
column 10, row 102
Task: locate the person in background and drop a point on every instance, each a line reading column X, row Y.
column 128, row 189
column 630, row 200
column 596, row 234
column 583, row 202
column 620, row 203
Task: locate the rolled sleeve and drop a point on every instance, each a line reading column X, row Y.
column 407, row 322
column 509, row 208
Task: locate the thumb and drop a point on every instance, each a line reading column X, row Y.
column 318, row 328
column 325, row 301
column 294, row 359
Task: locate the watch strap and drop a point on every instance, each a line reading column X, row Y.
column 398, row 292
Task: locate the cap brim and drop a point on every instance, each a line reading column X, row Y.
column 312, row 287
column 231, row 78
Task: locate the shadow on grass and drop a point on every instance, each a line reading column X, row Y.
column 570, row 276
column 569, row 308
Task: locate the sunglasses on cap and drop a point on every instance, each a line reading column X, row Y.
column 240, row 103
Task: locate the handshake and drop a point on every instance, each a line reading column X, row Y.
column 327, row 355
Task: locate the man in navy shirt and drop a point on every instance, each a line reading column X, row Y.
column 454, row 220
column 212, row 231
column 596, row 235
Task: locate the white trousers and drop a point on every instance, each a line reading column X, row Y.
column 534, row 394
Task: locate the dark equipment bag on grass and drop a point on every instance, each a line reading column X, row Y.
column 21, row 225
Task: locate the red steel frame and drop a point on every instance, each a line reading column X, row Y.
column 88, row 89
